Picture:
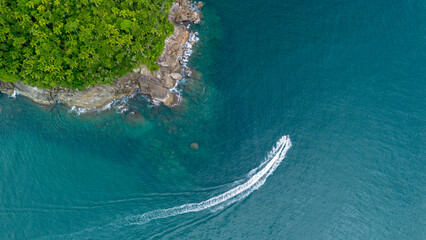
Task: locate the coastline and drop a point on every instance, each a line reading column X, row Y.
column 158, row 86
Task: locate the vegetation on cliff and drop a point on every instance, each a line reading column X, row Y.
column 75, row 44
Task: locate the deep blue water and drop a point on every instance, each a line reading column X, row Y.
column 346, row 80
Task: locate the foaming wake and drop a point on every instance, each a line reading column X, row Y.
column 257, row 178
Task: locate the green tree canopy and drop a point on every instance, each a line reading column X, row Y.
column 79, row 43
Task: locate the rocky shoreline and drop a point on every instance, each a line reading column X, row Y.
column 156, row 85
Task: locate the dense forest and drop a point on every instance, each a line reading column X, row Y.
column 75, row 44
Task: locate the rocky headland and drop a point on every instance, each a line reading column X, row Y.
column 156, row 85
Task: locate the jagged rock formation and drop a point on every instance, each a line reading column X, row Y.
column 156, row 84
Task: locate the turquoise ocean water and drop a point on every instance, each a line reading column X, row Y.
column 346, row 80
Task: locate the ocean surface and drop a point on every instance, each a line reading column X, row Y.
column 345, row 80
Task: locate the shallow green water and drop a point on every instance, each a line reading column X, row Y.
column 344, row 79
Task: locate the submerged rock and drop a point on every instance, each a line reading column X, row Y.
column 194, row 146
column 54, row 109
column 123, row 108
column 172, row 130
column 135, row 117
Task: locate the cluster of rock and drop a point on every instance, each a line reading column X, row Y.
column 155, row 84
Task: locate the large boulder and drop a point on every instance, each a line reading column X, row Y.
column 6, row 87
column 176, row 76
column 183, row 12
column 40, row 96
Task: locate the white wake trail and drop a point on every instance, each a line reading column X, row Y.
column 256, row 180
